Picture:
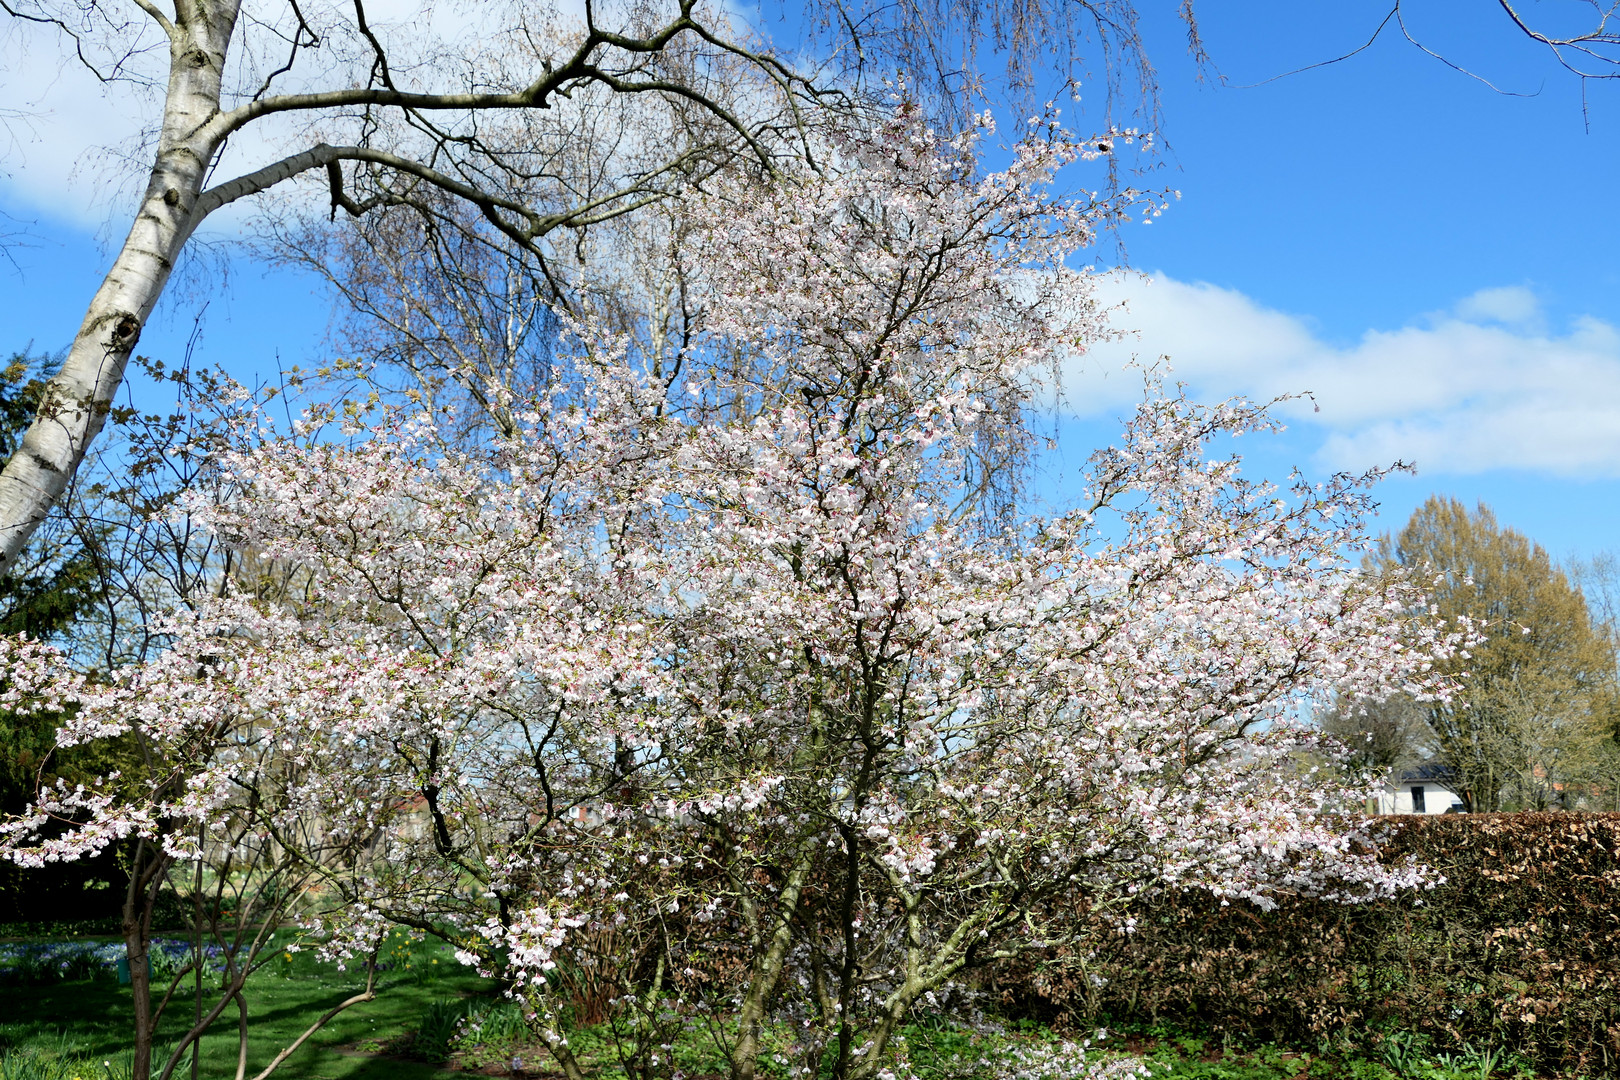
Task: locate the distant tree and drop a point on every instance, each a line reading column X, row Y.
column 1598, row 578
column 1538, row 686
column 1599, row 581
column 1380, row 735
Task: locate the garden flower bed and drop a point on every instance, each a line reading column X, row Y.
column 44, row 962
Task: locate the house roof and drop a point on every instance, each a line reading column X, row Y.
column 1432, row 769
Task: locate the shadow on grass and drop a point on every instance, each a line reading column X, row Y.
column 94, row 1017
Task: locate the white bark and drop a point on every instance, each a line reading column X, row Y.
column 77, row 399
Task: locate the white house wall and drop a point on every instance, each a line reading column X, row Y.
column 1437, row 798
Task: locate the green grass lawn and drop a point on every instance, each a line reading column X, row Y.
column 61, row 1028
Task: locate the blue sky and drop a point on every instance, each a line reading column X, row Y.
column 1434, row 259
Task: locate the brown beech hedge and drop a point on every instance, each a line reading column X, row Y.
column 1518, row 949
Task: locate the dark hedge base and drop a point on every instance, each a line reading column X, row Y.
column 1519, row 949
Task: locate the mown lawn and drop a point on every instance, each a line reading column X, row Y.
column 65, row 1026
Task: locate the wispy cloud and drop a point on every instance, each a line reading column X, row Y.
column 65, row 132
column 1483, row 386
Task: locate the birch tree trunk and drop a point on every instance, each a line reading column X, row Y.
column 76, row 401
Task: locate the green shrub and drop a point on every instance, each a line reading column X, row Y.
column 439, row 1028
column 493, row 1033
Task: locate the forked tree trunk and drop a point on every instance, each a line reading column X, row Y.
column 76, row 400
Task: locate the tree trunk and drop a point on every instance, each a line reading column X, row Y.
column 145, row 884
column 140, row 984
column 767, row 974
column 76, row 400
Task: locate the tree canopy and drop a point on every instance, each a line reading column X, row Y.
column 701, row 679
column 1538, row 687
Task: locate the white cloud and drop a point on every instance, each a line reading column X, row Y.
column 66, row 129
column 1483, row 386
column 1514, row 305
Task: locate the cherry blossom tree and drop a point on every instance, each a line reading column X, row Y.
column 711, row 685
column 539, row 122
